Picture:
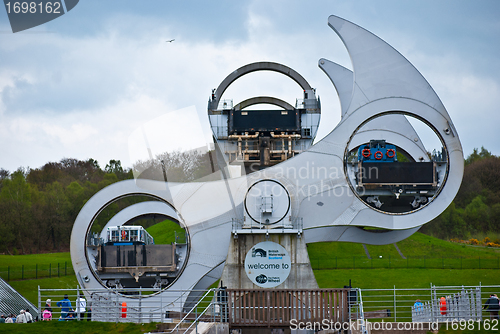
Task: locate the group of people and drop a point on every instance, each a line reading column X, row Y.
column 67, row 311
column 24, row 317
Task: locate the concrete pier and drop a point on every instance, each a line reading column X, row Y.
column 301, row 274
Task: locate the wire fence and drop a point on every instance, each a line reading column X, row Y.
column 411, row 262
column 35, row 271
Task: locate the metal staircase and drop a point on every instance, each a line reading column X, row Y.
column 12, row 302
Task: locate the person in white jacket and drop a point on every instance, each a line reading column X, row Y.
column 21, row 318
column 29, row 317
column 81, row 306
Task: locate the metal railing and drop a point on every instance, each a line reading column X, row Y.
column 463, row 305
column 12, row 301
column 271, row 307
column 35, row 271
column 283, row 307
column 107, row 305
column 398, row 305
column 361, row 311
column 198, row 316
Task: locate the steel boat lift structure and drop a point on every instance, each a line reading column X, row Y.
column 375, row 97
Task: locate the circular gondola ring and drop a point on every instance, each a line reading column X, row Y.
column 378, row 155
column 390, row 153
column 366, row 152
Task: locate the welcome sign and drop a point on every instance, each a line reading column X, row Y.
column 267, row 264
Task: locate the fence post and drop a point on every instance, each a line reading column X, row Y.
column 77, row 300
column 140, row 304
column 395, row 313
column 39, row 303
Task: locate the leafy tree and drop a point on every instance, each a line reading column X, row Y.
column 3, row 175
column 477, row 155
column 477, row 215
column 57, row 212
column 16, row 195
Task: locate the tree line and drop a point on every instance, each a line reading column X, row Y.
column 476, row 208
column 39, row 206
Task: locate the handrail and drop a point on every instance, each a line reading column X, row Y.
column 191, row 311
column 362, row 314
column 195, row 320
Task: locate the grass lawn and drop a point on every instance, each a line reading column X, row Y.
column 78, row 327
column 16, row 267
column 33, row 259
column 420, row 244
column 404, row 278
column 164, row 232
column 421, row 252
column 29, row 288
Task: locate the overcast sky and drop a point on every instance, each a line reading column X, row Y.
column 85, row 84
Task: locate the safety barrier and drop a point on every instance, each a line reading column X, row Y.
column 398, row 305
column 277, row 308
column 35, row 271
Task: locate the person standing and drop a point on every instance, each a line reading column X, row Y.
column 65, row 305
column 47, row 312
column 47, row 305
column 81, row 305
column 21, row 318
column 29, row 317
column 492, row 305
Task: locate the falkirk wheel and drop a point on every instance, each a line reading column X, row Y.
column 370, row 180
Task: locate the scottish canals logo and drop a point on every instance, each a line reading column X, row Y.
column 28, row 14
column 267, row 264
column 258, row 252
